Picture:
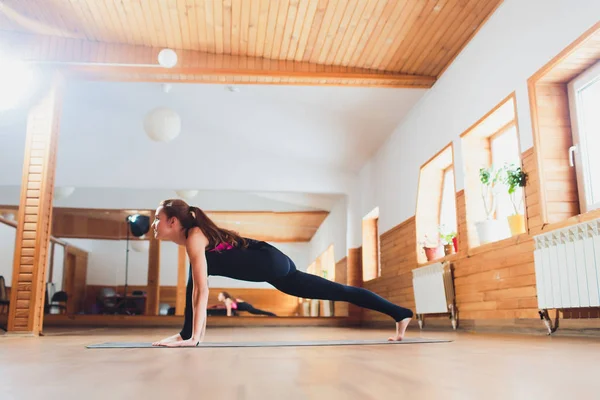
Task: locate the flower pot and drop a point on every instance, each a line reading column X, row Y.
column 455, row 243
column 432, row 253
column 517, row 224
column 448, row 249
column 490, row 230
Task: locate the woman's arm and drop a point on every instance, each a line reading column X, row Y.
column 195, row 246
column 228, row 305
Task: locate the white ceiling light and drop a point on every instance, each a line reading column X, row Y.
column 186, row 194
column 167, row 58
column 63, row 192
column 162, row 124
column 140, row 246
column 8, row 216
column 166, row 87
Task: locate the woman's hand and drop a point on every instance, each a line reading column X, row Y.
column 183, row 343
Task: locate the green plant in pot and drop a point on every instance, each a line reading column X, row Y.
column 515, row 179
column 489, row 230
column 448, row 240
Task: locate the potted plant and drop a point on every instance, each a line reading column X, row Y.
column 515, row 179
column 449, row 241
column 489, row 229
column 431, row 249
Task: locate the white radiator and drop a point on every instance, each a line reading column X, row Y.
column 567, row 266
column 434, row 290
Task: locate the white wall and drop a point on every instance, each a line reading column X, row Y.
column 516, row 41
column 333, row 230
column 7, row 251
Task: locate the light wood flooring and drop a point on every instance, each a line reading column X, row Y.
column 473, row 366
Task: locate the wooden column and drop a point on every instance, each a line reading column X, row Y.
column 355, row 278
column 181, row 282
column 370, row 249
column 35, row 213
column 153, row 277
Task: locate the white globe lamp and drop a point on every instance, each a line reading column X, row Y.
column 186, row 194
column 167, row 58
column 140, row 246
column 63, row 192
column 162, row 124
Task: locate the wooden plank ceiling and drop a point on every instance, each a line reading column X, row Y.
column 403, row 43
column 110, row 223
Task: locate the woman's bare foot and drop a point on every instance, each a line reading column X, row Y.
column 170, row 339
column 400, row 329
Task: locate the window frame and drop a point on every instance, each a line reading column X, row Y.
column 586, row 78
column 424, row 191
column 470, row 193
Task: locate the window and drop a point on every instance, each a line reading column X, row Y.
column 504, row 146
column 564, row 177
column 492, row 144
column 448, row 202
column 371, row 264
column 436, row 206
column 584, row 101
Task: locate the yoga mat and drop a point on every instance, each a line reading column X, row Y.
column 138, row 345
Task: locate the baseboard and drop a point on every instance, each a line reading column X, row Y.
column 177, row 321
column 529, row 326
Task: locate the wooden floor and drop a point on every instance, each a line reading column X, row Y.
column 473, row 366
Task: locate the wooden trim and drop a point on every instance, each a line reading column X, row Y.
column 502, row 131
column 493, row 110
column 563, row 54
column 92, row 60
column 7, row 222
column 440, row 152
column 177, row 321
column 533, row 106
column 401, row 225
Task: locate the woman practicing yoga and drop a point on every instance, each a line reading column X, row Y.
column 240, row 305
column 216, row 251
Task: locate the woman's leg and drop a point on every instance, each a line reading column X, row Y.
column 310, row 286
column 244, row 306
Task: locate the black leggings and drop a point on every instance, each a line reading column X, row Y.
column 244, row 306
column 270, row 265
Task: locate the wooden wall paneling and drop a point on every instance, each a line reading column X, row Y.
column 398, row 259
column 35, row 212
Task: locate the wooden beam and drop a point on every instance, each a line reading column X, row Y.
column 153, row 294
column 354, row 278
column 118, row 62
column 35, row 213
column 181, row 283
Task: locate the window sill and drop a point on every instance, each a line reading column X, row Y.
column 511, row 241
column 450, row 257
